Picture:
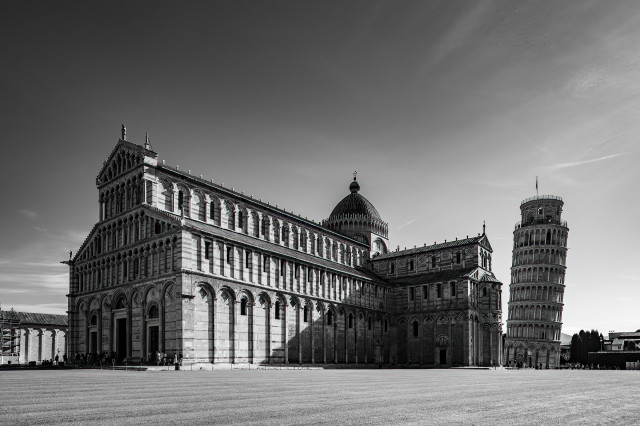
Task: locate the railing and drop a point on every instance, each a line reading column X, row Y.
column 542, row 197
column 542, row 222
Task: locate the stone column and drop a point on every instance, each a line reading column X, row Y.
column 298, row 330
column 143, row 330
column 286, row 332
column 313, row 351
column 324, row 336
column 355, row 337
column 25, row 347
column 480, row 344
column 234, row 317
column 129, row 330
column 491, row 352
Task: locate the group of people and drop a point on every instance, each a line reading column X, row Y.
column 520, row 364
column 163, row 359
column 578, row 366
column 88, row 359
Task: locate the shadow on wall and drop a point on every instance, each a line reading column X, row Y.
column 233, row 327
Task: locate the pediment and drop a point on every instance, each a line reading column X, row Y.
column 484, row 242
column 124, row 157
column 96, row 232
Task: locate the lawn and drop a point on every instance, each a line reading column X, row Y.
column 320, row 396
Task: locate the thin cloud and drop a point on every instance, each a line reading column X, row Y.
column 29, row 214
column 560, row 166
column 404, row 225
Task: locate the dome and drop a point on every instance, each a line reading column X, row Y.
column 354, row 204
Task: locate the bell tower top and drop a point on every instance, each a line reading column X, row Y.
column 541, row 209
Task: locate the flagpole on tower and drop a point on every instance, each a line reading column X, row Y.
column 537, row 196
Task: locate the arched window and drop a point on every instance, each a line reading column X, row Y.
column 415, row 328
column 350, row 320
column 392, row 268
column 94, row 320
column 243, row 307
column 329, row 318
column 240, row 219
column 214, row 212
column 277, row 310
column 121, row 304
column 484, row 291
column 369, row 325
column 411, row 265
column 180, row 200
column 386, row 325
column 153, row 312
column 438, row 291
column 305, row 317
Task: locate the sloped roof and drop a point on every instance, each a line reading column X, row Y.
column 126, row 145
column 35, row 318
column 172, row 217
column 432, row 277
column 275, row 248
column 480, row 239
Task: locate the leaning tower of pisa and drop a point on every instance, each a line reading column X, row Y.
column 537, row 284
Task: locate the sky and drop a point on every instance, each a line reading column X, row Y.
column 447, row 109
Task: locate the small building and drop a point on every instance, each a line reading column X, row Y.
column 28, row 336
column 624, row 340
column 621, row 350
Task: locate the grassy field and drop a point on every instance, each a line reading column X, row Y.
column 320, row 396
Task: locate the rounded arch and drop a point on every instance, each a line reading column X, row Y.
column 294, row 301
column 263, row 299
column 227, row 293
column 206, row 287
column 166, row 286
column 245, row 293
column 153, row 311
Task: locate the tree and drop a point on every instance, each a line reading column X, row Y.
column 594, row 341
column 575, row 348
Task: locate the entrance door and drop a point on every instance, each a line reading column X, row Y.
column 443, row 356
column 153, row 340
column 93, row 342
column 121, row 339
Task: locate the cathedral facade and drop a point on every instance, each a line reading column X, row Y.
column 181, row 265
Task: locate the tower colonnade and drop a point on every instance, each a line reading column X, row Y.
column 536, row 297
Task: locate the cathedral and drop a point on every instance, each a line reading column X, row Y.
column 185, row 266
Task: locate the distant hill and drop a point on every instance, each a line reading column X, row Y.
column 565, row 339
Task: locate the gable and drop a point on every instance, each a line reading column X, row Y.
column 124, row 157
column 91, row 249
column 484, row 242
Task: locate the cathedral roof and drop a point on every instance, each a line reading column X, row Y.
column 443, row 276
column 34, row 318
column 480, row 239
column 354, row 204
column 432, row 277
